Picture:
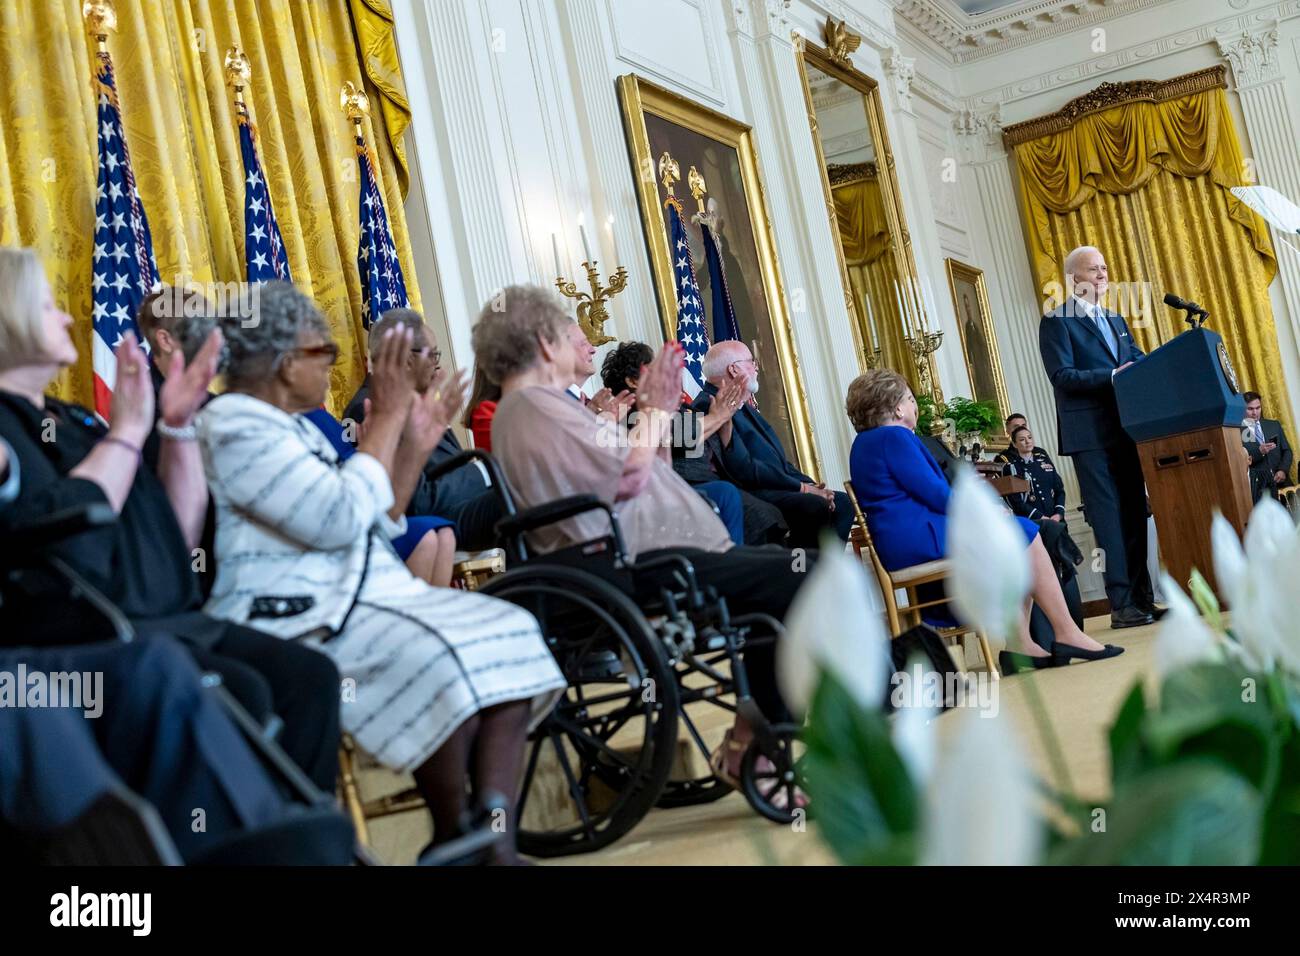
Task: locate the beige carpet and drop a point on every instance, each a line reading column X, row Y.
column 1081, row 701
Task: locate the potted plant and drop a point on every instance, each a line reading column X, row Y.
column 972, row 421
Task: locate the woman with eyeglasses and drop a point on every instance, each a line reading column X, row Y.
column 432, row 676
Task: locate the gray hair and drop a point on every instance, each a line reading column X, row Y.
column 395, row 319
column 254, row 350
column 719, row 356
column 191, row 331
column 22, row 329
column 507, row 329
column 1077, row 253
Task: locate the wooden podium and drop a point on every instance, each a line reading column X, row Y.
column 1180, row 404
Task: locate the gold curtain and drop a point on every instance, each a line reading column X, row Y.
column 872, row 264
column 1148, row 183
column 184, row 144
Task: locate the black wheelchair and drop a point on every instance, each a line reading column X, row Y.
column 644, row 649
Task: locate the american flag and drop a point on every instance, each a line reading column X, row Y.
column 384, row 287
column 263, row 245
column 123, row 268
column 691, row 331
column 724, row 313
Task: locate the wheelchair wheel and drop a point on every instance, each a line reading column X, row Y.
column 770, row 787
column 599, row 760
column 682, row 789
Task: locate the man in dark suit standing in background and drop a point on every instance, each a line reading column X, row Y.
column 1270, row 452
column 1084, row 346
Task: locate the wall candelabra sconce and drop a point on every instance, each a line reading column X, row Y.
column 924, row 344
column 592, row 306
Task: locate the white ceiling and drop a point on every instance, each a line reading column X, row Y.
column 984, row 6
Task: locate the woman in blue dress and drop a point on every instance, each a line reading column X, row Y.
column 904, row 497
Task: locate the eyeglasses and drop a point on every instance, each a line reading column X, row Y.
column 328, row 350
column 435, row 354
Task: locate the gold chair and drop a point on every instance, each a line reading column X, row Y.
column 910, row 580
column 471, row 571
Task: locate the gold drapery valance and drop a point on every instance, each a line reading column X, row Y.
column 1143, row 172
column 180, row 128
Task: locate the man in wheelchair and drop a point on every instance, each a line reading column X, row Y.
column 551, row 447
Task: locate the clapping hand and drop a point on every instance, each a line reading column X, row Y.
column 185, row 388
column 434, row 411
column 132, row 412
column 660, row 383
column 392, row 383
column 731, row 395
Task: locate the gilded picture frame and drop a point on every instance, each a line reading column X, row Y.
column 656, row 119
column 841, row 68
column 979, row 343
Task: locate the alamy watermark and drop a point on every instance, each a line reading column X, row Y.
column 74, row 690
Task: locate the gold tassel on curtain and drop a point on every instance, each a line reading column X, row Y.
column 871, row 261
column 1143, row 172
column 181, row 128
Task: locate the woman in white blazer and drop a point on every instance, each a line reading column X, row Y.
column 430, row 675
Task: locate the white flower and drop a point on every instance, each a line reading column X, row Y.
column 980, row 808
column 832, row 625
column 990, row 567
column 1183, row 639
column 913, row 734
column 1259, row 586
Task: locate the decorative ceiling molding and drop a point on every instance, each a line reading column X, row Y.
column 966, row 37
column 1067, row 75
column 1115, row 94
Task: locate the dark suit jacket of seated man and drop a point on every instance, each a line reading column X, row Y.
column 756, row 461
column 1083, row 347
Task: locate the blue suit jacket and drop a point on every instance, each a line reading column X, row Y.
column 1079, row 362
column 904, row 496
column 755, row 459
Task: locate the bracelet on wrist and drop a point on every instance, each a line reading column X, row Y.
column 124, row 443
column 177, row 432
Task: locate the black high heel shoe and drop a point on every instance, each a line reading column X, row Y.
column 1010, row 662
column 1065, row 652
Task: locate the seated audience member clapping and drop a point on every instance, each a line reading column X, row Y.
column 144, row 562
column 461, row 497
column 439, row 674
column 757, row 461
column 696, row 445
column 905, row 500
column 551, row 447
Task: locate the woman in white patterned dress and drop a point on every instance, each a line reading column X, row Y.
column 431, row 675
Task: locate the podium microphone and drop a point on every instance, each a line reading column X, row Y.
column 1196, row 316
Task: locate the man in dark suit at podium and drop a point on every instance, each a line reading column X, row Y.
column 1084, row 346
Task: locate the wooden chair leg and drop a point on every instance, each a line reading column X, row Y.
column 348, row 790
column 989, row 662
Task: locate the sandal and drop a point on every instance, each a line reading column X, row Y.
column 718, row 760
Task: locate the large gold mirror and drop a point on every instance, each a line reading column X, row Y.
column 886, row 301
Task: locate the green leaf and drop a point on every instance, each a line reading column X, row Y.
column 1190, row 812
column 1126, row 750
column 866, row 805
column 1202, row 713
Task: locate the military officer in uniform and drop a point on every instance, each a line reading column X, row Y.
column 1004, row 457
column 1044, row 503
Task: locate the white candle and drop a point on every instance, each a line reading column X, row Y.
column 586, row 249
column 613, row 242
column 871, row 323
column 903, row 317
column 555, row 249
